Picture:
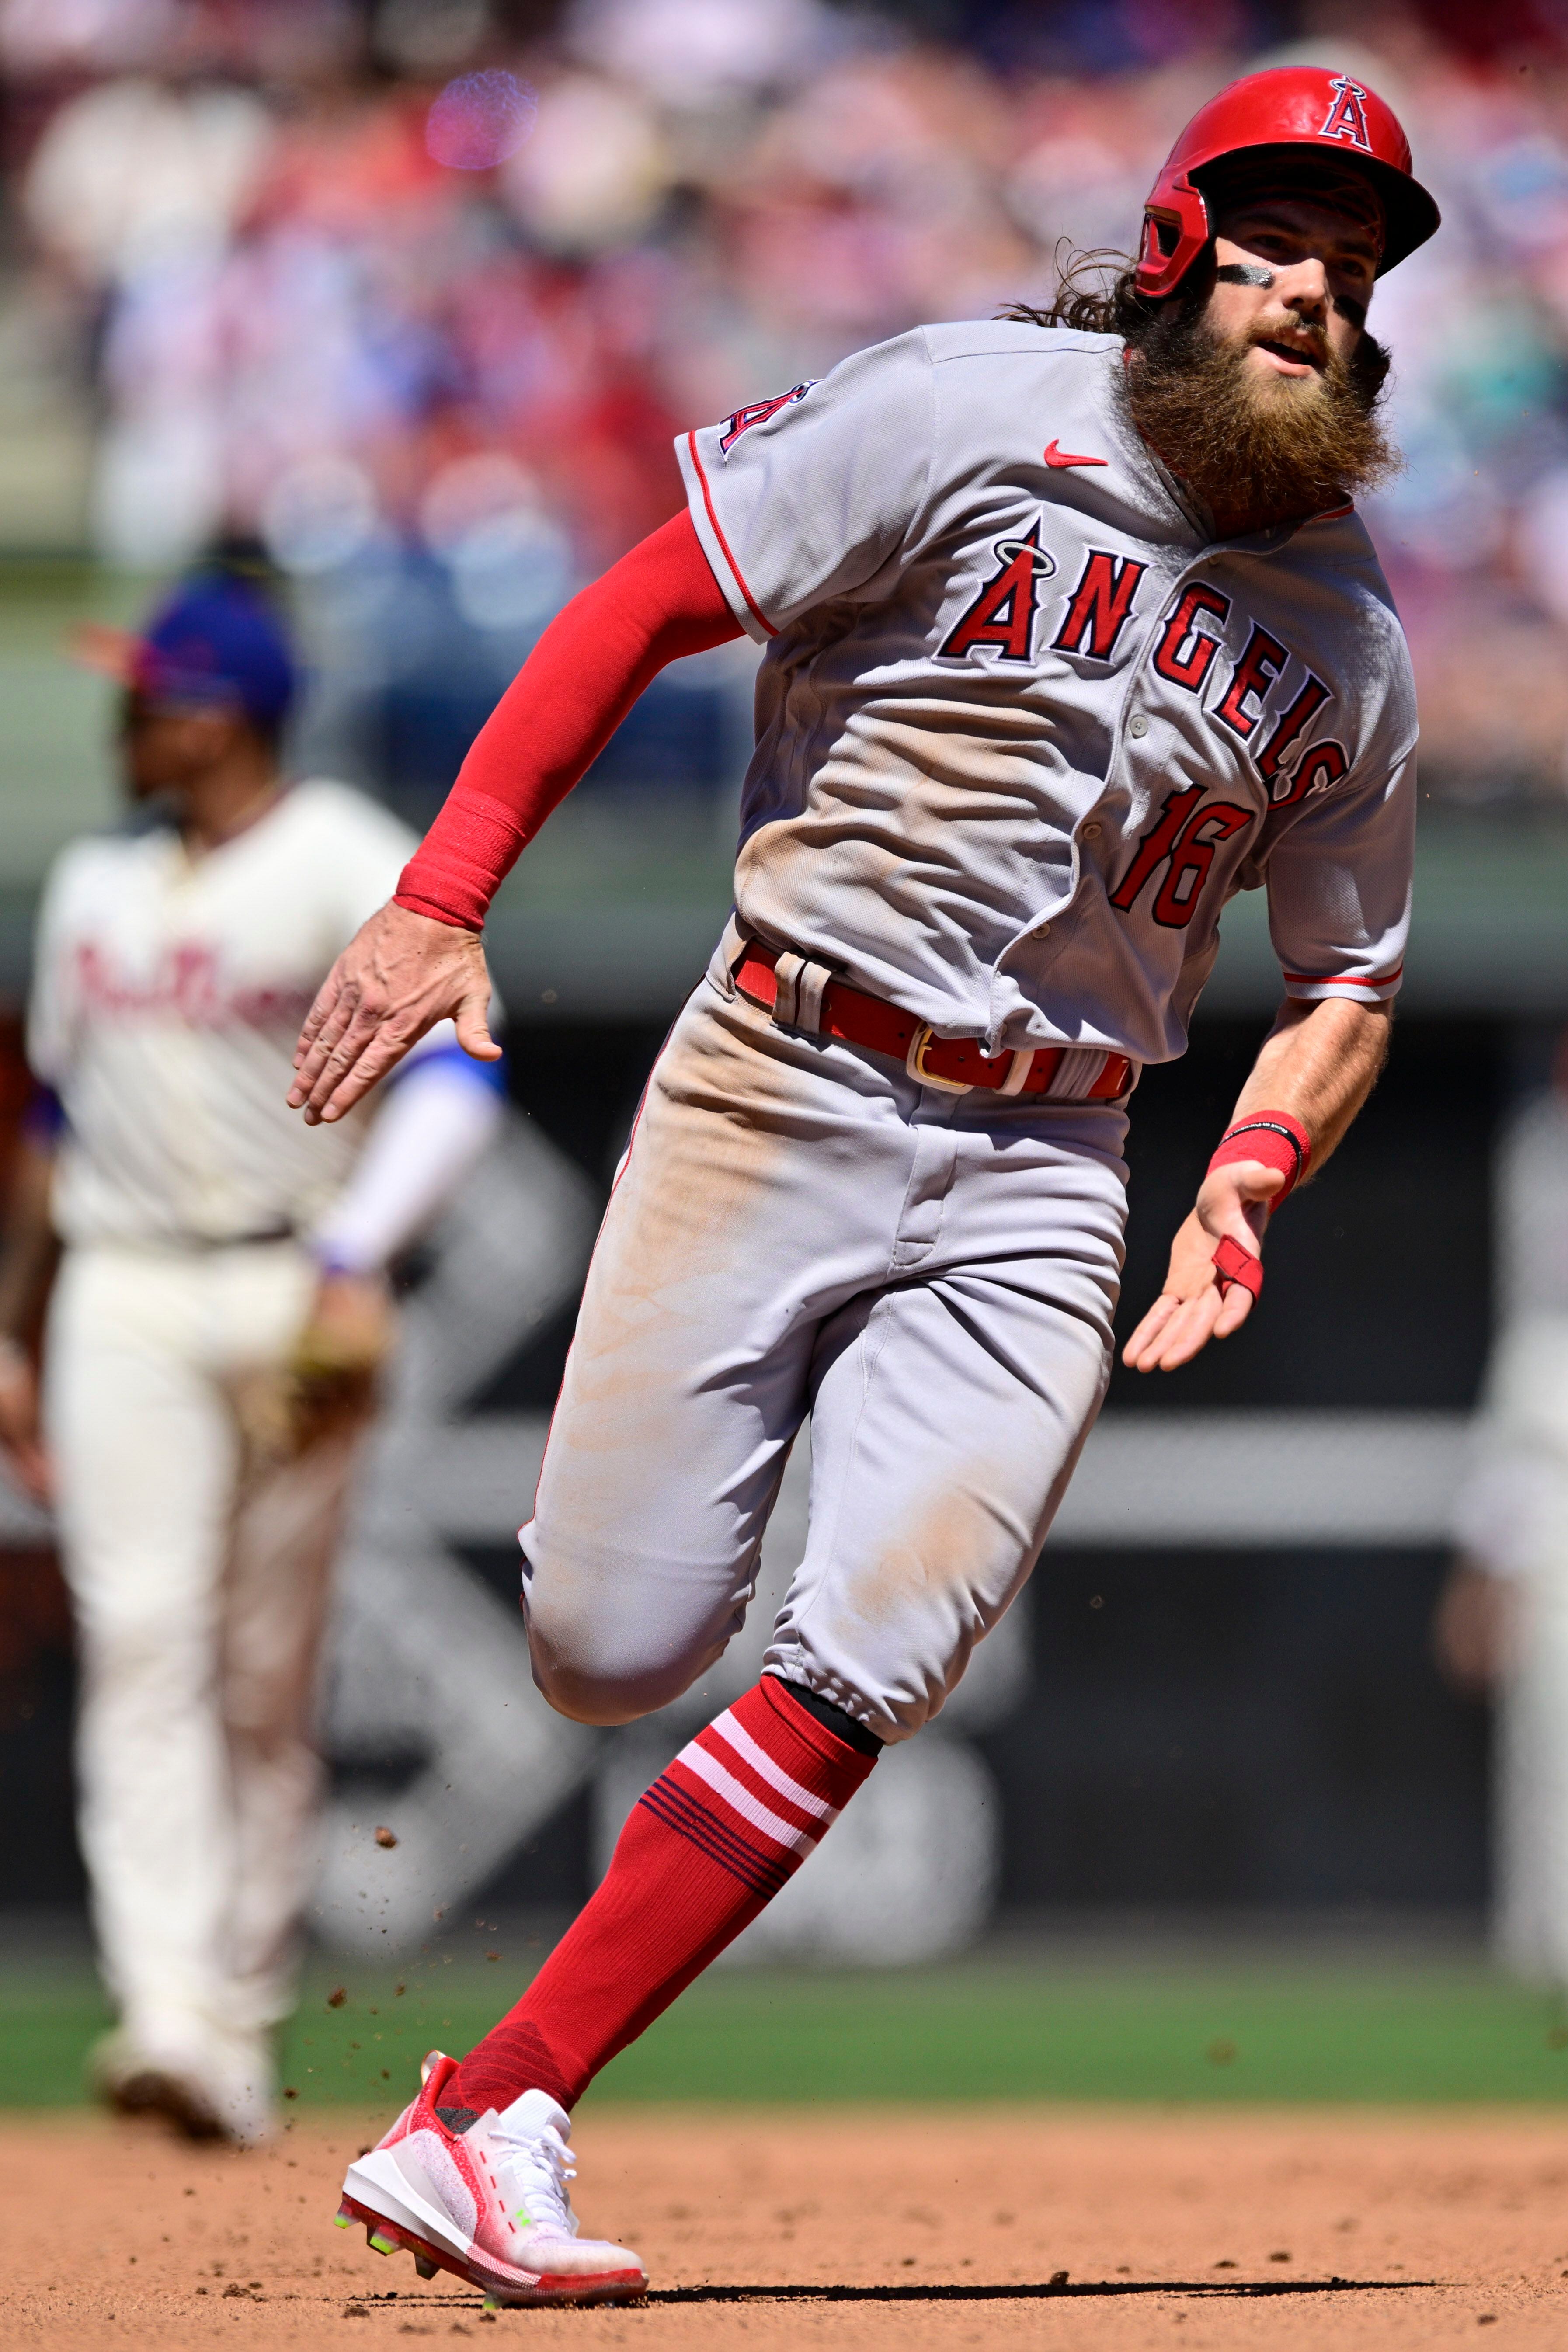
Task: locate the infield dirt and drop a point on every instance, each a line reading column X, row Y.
column 872, row 2228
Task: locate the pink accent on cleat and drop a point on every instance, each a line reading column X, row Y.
column 488, row 2203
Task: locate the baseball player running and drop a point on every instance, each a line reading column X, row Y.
column 213, row 1333
column 1070, row 632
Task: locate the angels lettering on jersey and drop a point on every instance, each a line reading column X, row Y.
column 1177, row 849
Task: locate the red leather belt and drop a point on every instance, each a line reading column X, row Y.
column 954, row 1062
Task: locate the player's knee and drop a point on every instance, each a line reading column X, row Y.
column 138, row 1651
column 136, row 1622
column 598, row 1673
column 584, row 1699
column 610, row 1693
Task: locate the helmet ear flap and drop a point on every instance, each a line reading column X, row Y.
column 1175, row 230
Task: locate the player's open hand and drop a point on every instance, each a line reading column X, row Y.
column 21, row 1434
column 1476, row 1627
column 1192, row 1310
column 398, row 975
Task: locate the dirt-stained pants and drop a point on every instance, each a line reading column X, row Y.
column 198, row 1551
column 800, row 1227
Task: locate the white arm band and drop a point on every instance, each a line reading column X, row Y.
column 430, row 1131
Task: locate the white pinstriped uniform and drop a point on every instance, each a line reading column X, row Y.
column 168, row 994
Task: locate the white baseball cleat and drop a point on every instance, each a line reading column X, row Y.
column 211, row 2085
column 488, row 2203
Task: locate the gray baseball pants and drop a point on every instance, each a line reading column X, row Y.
column 800, row 1227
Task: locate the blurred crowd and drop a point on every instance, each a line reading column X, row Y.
column 437, row 371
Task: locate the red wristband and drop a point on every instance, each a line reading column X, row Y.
column 1274, row 1138
column 457, row 868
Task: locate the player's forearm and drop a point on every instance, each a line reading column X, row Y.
column 1316, row 1068
column 595, row 659
column 28, row 1250
column 1319, row 1062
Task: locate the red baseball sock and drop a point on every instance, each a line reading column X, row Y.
column 713, row 1840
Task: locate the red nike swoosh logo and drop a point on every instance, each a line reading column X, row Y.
column 1055, row 456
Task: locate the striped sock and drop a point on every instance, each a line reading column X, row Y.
column 706, row 1848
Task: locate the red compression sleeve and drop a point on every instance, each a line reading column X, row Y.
column 577, row 685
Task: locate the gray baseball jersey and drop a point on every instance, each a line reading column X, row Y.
column 1024, row 726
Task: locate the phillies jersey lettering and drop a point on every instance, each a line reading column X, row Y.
column 1025, row 727
column 187, row 981
column 167, row 994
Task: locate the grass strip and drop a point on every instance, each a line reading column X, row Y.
column 982, row 2029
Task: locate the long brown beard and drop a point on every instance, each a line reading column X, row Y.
column 1280, row 450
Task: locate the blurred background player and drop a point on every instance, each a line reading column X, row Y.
column 217, row 1319
column 1502, row 1621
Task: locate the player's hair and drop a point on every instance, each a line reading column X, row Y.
column 1096, row 293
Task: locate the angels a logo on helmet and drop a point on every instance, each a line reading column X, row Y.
column 1346, row 117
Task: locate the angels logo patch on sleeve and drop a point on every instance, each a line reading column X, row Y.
column 758, row 411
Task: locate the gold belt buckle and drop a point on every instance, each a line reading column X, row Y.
column 914, row 1062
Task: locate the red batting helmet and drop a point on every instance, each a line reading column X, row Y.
column 1291, row 107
